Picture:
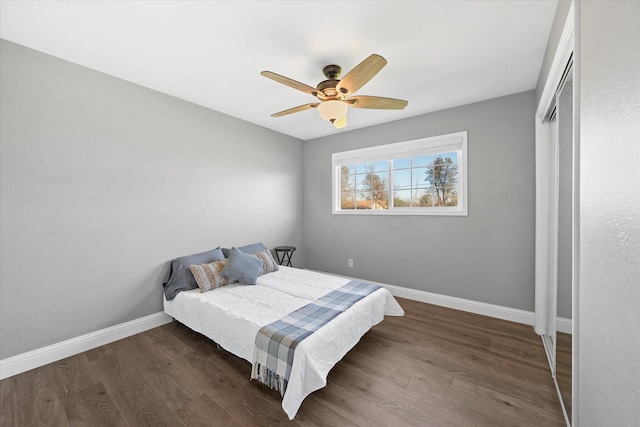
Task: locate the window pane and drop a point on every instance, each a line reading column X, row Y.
column 376, row 184
column 419, row 177
column 362, row 182
column 421, row 161
column 444, row 196
column 453, row 156
column 437, row 177
column 423, row 198
column 351, row 183
column 402, row 198
column 364, row 167
column 347, row 201
column 381, row 166
column 402, row 163
column 347, row 182
column 402, row 179
column 363, row 200
column 381, row 177
column 449, row 196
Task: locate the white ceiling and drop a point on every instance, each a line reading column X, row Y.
column 440, row 53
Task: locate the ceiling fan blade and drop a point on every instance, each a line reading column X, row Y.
column 377, row 102
column 296, row 109
column 361, row 74
column 290, row 82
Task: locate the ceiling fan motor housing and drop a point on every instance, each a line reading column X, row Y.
column 332, row 72
column 327, row 87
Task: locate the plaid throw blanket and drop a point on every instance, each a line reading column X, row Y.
column 276, row 342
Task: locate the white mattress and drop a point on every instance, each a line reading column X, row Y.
column 232, row 315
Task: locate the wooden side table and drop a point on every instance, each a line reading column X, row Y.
column 284, row 254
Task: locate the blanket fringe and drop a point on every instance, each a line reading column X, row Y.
column 269, row 378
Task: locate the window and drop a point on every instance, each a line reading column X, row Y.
column 421, row 177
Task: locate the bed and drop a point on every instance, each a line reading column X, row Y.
column 232, row 315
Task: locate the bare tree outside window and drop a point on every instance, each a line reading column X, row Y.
column 377, row 189
column 347, row 190
column 442, row 174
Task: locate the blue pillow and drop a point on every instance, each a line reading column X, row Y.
column 180, row 276
column 248, row 249
column 242, row 267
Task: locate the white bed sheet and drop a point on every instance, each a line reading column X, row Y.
column 232, row 315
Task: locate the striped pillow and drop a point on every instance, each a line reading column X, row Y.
column 268, row 263
column 208, row 276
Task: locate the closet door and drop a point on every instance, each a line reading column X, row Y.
column 556, row 220
column 554, row 235
column 563, row 356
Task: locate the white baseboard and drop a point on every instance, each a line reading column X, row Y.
column 483, row 308
column 33, row 359
column 564, row 325
column 470, row 306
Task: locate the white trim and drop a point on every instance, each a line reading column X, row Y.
column 397, row 150
column 564, row 325
column 470, row 306
column 561, row 58
column 33, row 359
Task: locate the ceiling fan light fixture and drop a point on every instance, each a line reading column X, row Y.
column 340, row 123
column 333, row 110
column 332, row 92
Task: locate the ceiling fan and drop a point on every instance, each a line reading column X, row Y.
column 336, row 95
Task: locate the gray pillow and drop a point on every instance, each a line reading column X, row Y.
column 242, row 267
column 248, row 249
column 180, row 276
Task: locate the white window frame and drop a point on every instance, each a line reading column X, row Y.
column 436, row 144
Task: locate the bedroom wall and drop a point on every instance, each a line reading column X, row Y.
column 103, row 182
column 487, row 256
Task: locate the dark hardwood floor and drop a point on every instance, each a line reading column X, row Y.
column 432, row 367
column 563, row 368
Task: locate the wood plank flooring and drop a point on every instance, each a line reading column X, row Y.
column 563, row 368
column 432, row 367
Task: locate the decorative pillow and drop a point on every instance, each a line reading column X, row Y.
column 242, row 267
column 248, row 249
column 180, row 277
column 208, row 276
column 269, row 265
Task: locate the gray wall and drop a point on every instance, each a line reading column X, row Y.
column 487, row 256
column 559, row 19
column 103, row 182
column 608, row 313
